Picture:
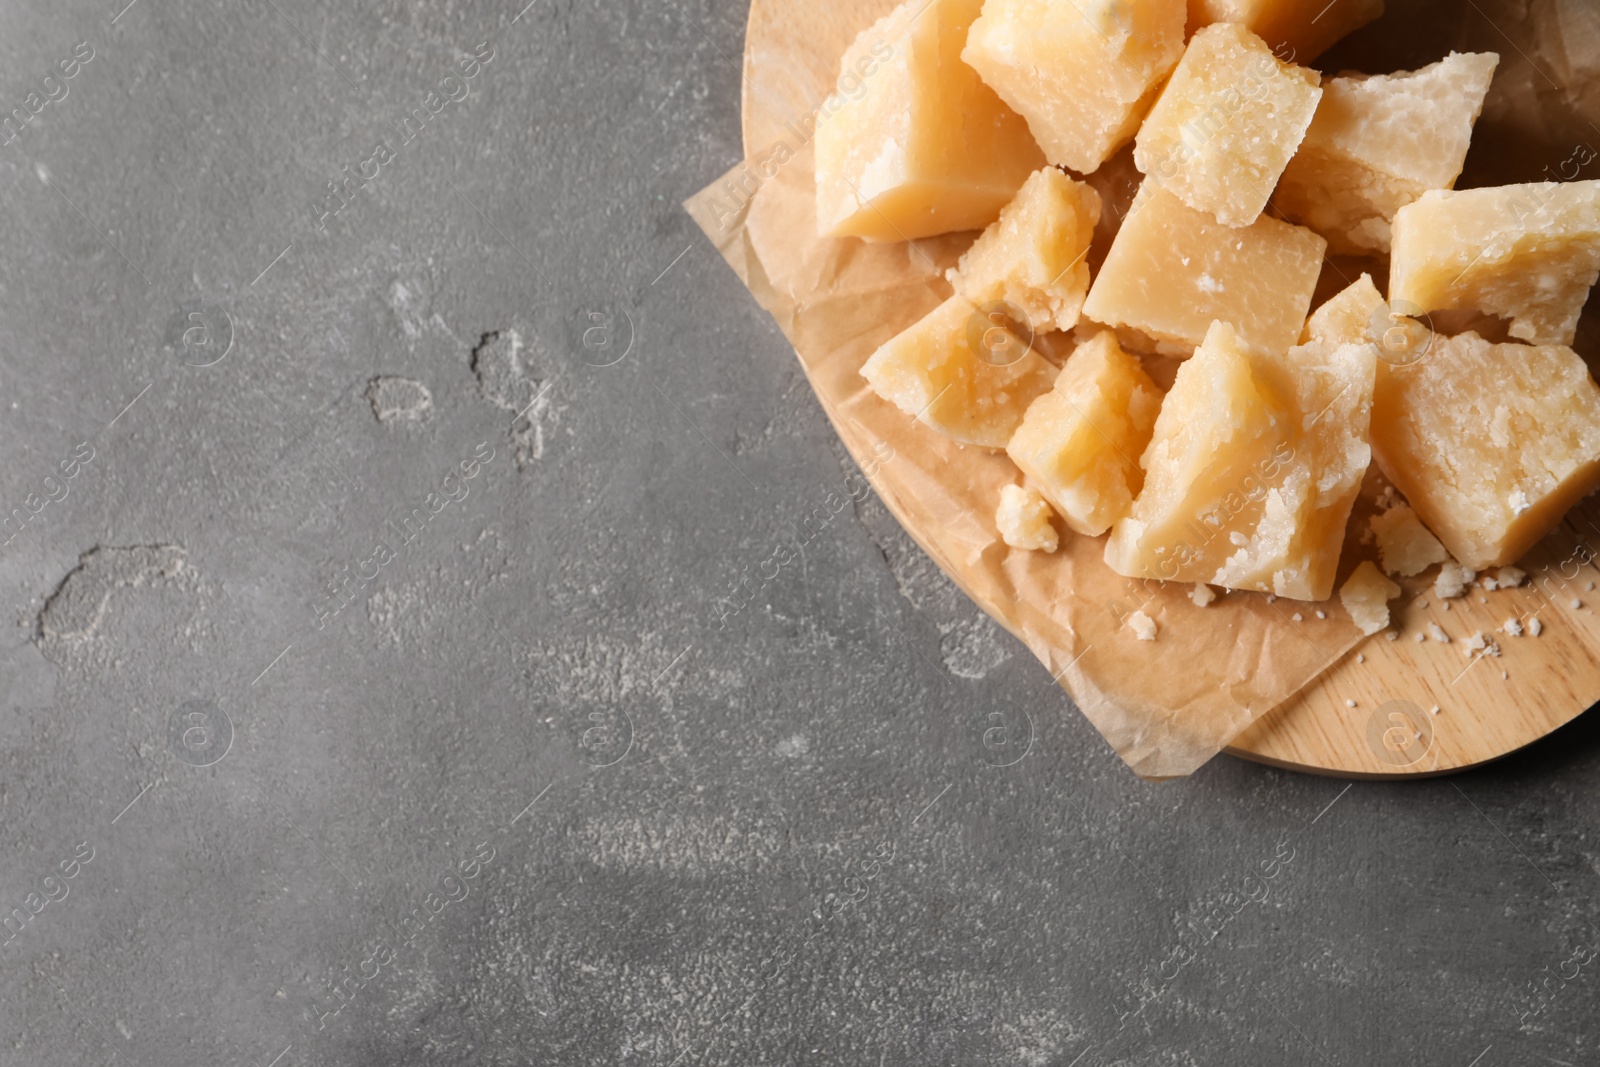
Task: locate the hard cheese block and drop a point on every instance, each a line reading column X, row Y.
column 1253, row 469
column 1379, row 142
column 1491, row 444
column 1080, row 443
column 1082, row 72
column 1227, row 124
column 922, row 146
column 1172, row 271
column 1032, row 256
column 951, row 371
column 1528, row 253
column 1348, row 316
column 1297, row 30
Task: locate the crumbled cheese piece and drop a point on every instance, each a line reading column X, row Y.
column 1419, row 637
column 1024, row 520
column 1535, row 627
column 1202, row 594
column 1142, row 625
column 1488, row 583
column 1361, row 657
column 1322, row 614
column 1366, row 595
column 1453, row 580
column 1510, row 577
column 1512, row 627
column 1349, row 703
column 1391, row 635
column 1436, row 632
column 1434, row 710
column 1297, row 617
column 1475, row 643
column 1405, row 547
column 1576, row 604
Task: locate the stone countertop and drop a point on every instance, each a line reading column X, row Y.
column 380, row 439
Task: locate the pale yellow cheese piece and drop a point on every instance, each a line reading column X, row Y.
column 1491, row 444
column 1405, row 547
column 1033, row 256
column 1227, row 123
column 920, row 146
column 1348, row 316
column 1080, row 443
column 1528, row 253
column 1023, row 519
column 1082, row 72
column 1366, row 595
column 1297, row 30
column 1254, row 466
column 952, row 373
column 1380, row 141
column 1172, row 271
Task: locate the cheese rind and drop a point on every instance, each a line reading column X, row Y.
column 1294, row 29
column 920, row 146
column 1033, row 256
column 1528, row 253
column 1380, row 141
column 1082, row 73
column 1366, row 595
column 1491, row 444
column 1023, row 519
column 1080, row 443
column 1227, row 123
column 1252, row 470
column 1172, row 271
column 937, row 371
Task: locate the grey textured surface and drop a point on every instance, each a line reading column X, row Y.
column 781, row 840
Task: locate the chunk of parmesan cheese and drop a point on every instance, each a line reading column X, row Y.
column 1366, row 595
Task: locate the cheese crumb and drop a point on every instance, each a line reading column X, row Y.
column 1024, row 520
column 1361, row 657
column 1349, row 703
column 1535, row 627
column 1202, row 594
column 1475, row 643
column 1322, row 614
column 1488, row 583
column 1142, row 625
column 1436, row 632
column 1366, row 595
column 1405, row 547
column 1297, row 617
column 1576, row 604
column 1510, row 577
column 1512, row 627
column 1434, row 710
column 1453, row 580
column 1419, row 637
column 1391, row 635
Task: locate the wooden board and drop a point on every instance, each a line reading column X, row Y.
column 790, row 62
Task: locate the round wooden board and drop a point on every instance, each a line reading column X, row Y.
column 792, row 49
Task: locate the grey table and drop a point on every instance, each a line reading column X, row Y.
column 368, row 699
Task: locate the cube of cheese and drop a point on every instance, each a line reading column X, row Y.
column 1032, row 256
column 1490, row 443
column 1379, row 142
column 1297, row 30
column 1227, row 123
column 1082, row 73
column 1023, row 519
column 943, row 371
column 1172, row 271
column 1080, row 443
column 921, row 146
column 1405, row 547
column 1366, row 595
column 1252, row 471
column 1528, row 253
column 1347, row 317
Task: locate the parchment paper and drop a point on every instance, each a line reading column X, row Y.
column 1169, row 705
